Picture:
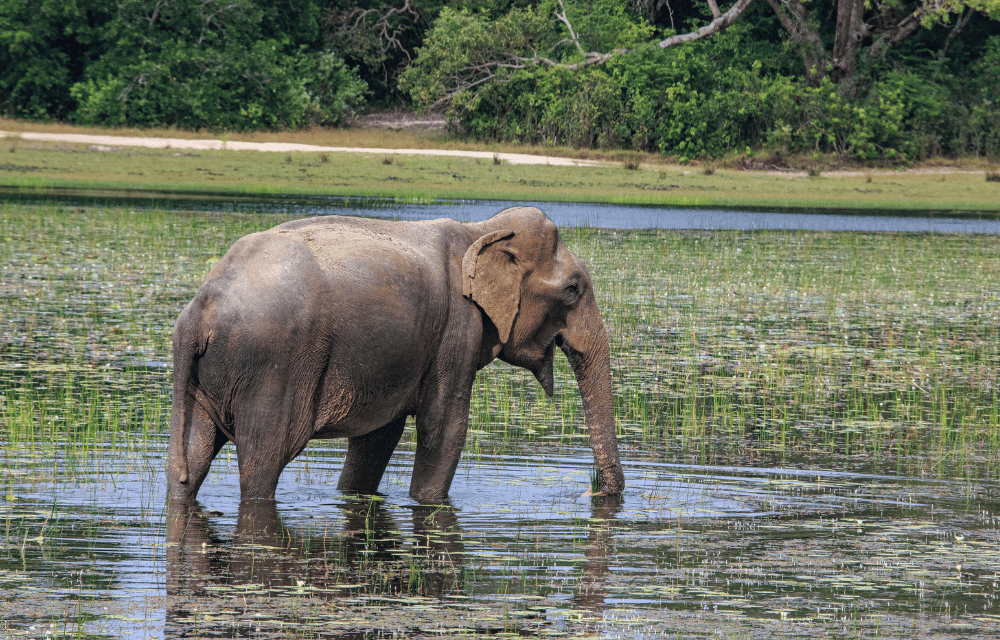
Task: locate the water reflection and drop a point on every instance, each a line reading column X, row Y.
column 368, row 549
column 531, row 561
column 592, row 594
column 372, row 556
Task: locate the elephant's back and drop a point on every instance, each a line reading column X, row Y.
column 339, row 242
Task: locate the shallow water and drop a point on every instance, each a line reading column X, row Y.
column 723, row 531
column 563, row 214
column 688, row 549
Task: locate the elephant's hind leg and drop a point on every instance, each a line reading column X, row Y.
column 368, row 456
column 261, row 462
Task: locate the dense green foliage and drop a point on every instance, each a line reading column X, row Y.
column 516, row 71
column 741, row 91
column 238, row 64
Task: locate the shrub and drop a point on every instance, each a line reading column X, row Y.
column 207, row 64
column 336, row 93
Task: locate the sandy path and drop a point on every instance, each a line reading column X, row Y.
column 109, row 142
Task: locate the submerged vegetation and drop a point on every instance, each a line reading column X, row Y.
column 810, row 423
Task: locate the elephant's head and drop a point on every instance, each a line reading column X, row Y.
column 540, row 296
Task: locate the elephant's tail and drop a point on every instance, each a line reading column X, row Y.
column 187, row 346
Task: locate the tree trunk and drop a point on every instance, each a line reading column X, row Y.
column 850, row 32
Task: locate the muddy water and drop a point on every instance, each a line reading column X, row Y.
column 763, row 546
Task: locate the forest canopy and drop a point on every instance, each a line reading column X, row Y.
column 880, row 81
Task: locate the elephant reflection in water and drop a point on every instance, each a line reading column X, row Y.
column 370, row 550
column 276, row 559
column 593, row 589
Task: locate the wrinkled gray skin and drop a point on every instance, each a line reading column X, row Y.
column 338, row 327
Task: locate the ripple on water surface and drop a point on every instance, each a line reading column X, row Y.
column 687, row 546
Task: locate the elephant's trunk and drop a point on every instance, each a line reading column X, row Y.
column 585, row 343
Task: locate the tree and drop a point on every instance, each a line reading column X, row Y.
column 882, row 24
column 221, row 64
column 45, row 46
column 466, row 50
column 208, row 64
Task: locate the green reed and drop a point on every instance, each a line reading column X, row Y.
column 726, row 345
column 734, row 345
column 87, row 302
column 802, row 342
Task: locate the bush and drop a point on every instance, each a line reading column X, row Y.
column 702, row 99
column 336, row 93
column 206, row 65
column 197, row 88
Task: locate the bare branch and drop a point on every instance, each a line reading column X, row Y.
column 373, row 35
column 710, row 29
column 486, row 69
column 959, row 24
column 151, row 18
column 795, row 19
column 208, row 19
column 572, row 34
column 386, row 32
column 896, row 33
column 721, row 21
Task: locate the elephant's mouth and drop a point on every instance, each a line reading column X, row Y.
column 538, row 358
column 544, row 373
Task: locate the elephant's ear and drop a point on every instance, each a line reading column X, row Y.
column 492, row 279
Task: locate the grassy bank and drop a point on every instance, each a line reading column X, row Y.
column 41, row 166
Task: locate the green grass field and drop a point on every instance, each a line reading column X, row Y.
column 29, row 165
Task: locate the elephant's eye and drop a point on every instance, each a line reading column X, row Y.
column 571, row 294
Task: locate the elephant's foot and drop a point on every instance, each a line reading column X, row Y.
column 611, row 480
column 181, row 493
column 429, row 494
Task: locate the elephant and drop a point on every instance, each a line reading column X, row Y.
column 342, row 327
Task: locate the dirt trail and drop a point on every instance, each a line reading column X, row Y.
column 109, row 142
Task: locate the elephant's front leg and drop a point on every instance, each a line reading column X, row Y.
column 368, row 456
column 441, row 428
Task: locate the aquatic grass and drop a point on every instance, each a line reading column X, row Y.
column 87, row 300
column 797, row 342
column 725, row 343
column 806, row 350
